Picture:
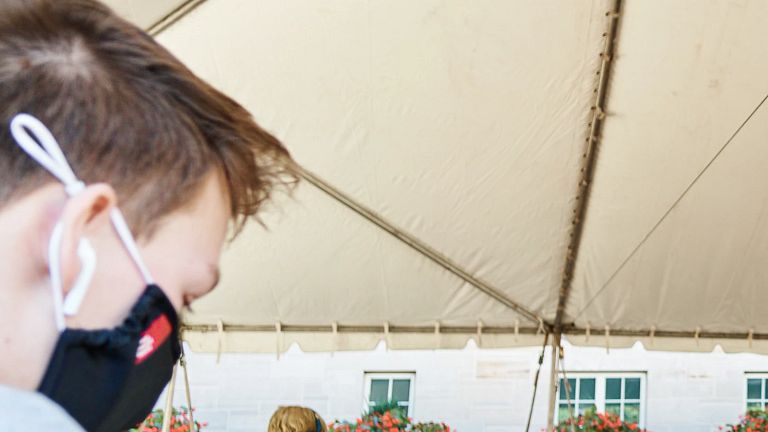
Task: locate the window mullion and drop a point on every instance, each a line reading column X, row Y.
column 600, row 393
column 368, row 385
column 575, row 397
column 622, row 400
column 643, row 406
column 762, row 393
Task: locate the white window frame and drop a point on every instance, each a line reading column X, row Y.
column 763, row 376
column 390, row 376
column 600, row 399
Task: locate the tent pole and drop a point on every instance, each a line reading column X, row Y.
column 567, row 387
column 553, row 384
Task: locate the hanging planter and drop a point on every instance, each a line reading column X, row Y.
column 387, row 418
column 752, row 421
column 179, row 422
column 591, row 421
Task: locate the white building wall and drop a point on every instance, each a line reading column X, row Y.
column 472, row 390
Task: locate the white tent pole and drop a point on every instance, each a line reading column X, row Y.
column 553, row 384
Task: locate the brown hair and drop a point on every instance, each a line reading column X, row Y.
column 125, row 112
column 296, row 419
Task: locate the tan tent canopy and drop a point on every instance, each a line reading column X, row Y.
column 472, row 165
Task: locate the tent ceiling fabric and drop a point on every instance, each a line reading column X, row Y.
column 409, row 108
column 464, row 124
column 679, row 93
column 321, row 276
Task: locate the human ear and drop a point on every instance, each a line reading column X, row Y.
column 80, row 213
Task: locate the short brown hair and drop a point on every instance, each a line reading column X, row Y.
column 296, row 419
column 125, row 112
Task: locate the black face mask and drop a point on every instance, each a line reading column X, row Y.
column 109, row 379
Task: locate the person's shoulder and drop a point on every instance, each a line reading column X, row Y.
column 24, row 411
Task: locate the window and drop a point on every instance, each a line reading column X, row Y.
column 385, row 387
column 622, row 394
column 757, row 390
column 582, row 395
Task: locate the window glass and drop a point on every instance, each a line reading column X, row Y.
column 401, row 390
column 613, row 388
column 587, row 389
column 632, row 388
column 379, row 391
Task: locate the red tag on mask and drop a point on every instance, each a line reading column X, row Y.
column 153, row 337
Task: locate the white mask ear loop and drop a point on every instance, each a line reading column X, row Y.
column 44, row 149
column 87, row 268
column 74, row 299
column 54, row 269
column 118, row 222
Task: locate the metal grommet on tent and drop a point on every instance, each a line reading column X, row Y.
column 600, row 112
